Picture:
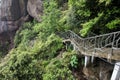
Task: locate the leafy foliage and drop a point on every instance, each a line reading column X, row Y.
column 98, row 16
column 74, row 61
column 113, row 24
column 37, row 51
column 36, row 45
column 57, row 71
column 91, row 23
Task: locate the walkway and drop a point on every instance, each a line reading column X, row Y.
column 105, row 46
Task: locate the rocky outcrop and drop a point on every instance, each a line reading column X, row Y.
column 13, row 13
column 12, row 10
column 35, row 8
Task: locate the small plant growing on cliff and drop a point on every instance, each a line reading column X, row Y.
column 74, row 61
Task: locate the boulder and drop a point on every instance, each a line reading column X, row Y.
column 35, row 9
column 13, row 13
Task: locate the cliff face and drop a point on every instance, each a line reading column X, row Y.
column 13, row 13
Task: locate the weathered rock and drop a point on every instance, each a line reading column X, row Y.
column 35, row 8
column 105, row 71
column 13, row 13
column 12, row 10
column 100, row 70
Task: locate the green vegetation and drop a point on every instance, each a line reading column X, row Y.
column 74, row 61
column 39, row 53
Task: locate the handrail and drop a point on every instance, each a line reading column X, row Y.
column 96, row 35
column 109, row 40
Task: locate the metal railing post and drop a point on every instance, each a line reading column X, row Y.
column 95, row 43
column 113, row 44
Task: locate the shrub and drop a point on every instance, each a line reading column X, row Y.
column 74, row 61
column 56, row 71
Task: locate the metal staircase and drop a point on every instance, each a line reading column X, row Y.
column 106, row 45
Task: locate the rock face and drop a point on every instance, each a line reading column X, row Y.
column 12, row 12
column 35, row 8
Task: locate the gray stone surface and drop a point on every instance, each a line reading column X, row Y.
column 35, row 8
column 13, row 13
column 13, row 10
